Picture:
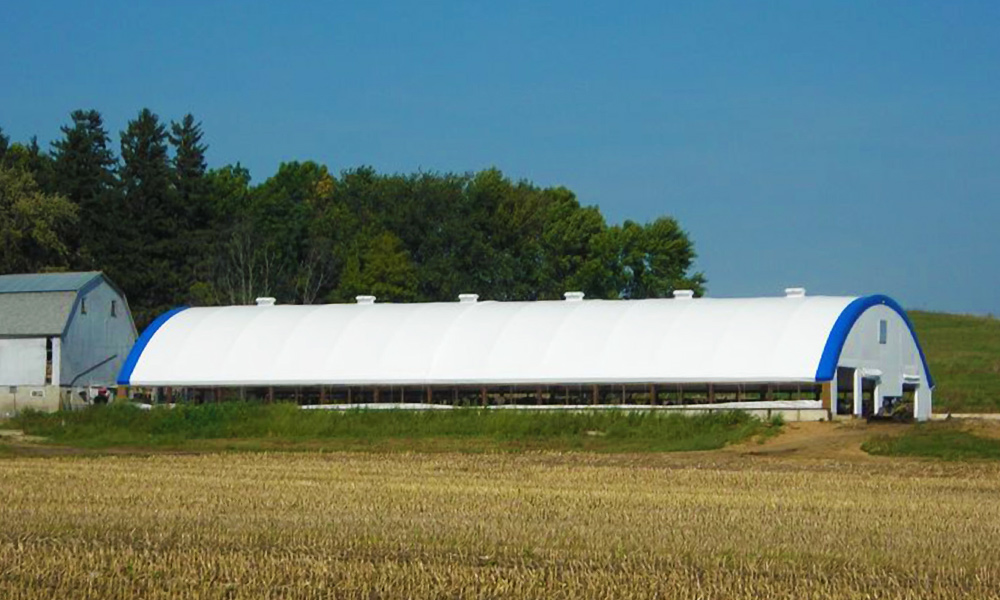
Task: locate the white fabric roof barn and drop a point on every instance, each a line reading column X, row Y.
column 795, row 338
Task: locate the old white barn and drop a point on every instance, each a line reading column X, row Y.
column 62, row 337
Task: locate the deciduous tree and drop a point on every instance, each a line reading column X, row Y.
column 33, row 225
column 382, row 268
column 655, row 259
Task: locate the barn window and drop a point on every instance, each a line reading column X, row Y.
column 83, row 306
column 114, row 308
column 883, row 331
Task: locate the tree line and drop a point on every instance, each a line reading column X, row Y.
column 171, row 231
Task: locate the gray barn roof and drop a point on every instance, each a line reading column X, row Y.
column 46, row 282
column 35, row 313
column 35, row 304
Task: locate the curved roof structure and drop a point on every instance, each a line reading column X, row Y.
column 783, row 339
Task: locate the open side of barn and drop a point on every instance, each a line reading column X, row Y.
column 805, row 357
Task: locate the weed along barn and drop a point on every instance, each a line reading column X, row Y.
column 807, row 357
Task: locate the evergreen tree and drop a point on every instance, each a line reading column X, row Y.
column 189, row 162
column 150, row 263
column 196, row 219
column 83, row 169
column 4, row 143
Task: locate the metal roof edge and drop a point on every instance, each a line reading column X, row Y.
column 88, row 281
column 125, row 375
column 827, row 368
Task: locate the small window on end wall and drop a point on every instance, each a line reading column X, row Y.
column 114, row 308
column 83, row 306
column 883, row 331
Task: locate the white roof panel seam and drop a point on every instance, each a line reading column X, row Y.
column 508, row 324
column 551, row 349
column 247, row 331
column 340, row 339
column 453, row 329
column 613, row 331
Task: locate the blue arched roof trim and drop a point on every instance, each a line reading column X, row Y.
column 125, row 375
column 827, row 369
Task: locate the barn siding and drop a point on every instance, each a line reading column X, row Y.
column 22, row 361
column 94, row 337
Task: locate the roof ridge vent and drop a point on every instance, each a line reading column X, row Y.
column 365, row 299
column 265, row 301
column 795, row 292
column 468, row 298
column 573, row 296
column 683, row 294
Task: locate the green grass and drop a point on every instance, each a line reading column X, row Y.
column 963, row 353
column 248, row 426
column 935, row 440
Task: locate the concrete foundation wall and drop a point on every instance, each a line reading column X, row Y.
column 45, row 398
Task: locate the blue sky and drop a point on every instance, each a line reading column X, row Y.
column 848, row 147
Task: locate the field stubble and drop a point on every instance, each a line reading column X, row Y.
column 496, row 525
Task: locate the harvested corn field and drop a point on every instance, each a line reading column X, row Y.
column 496, row 525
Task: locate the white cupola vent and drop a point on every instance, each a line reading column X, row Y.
column 468, row 298
column 265, row 301
column 365, row 299
column 573, row 296
column 683, row 294
column 795, row 292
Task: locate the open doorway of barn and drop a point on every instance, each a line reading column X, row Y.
column 905, row 406
column 845, row 391
column 856, row 393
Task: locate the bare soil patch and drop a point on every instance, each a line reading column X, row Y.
column 838, row 440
